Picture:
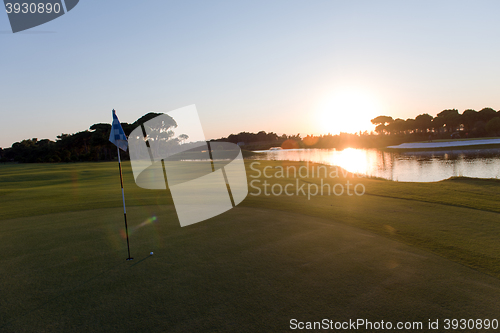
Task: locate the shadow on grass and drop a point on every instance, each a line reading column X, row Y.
column 138, row 262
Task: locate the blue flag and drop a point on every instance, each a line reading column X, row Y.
column 117, row 135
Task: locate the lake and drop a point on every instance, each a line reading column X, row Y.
column 422, row 166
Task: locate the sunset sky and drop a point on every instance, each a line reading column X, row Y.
column 308, row 67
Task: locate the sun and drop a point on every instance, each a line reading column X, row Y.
column 348, row 111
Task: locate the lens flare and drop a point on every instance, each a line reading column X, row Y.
column 132, row 230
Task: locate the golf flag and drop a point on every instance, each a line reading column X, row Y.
column 117, row 135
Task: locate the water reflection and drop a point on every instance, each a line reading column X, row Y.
column 353, row 160
column 428, row 166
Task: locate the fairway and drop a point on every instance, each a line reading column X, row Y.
column 400, row 252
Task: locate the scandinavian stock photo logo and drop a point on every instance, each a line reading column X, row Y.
column 307, row 180
column 26, row 14
column 205, row 178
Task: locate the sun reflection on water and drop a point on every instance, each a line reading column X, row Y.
column 352, row 160
column 412, row 166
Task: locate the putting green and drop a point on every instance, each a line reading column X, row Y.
column 247, row 270
column 253, row 268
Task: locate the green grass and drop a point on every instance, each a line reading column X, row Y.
column 401, row 251
column 38, row 189
column 456, row 218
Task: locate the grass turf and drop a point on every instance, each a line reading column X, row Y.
column 251, row 269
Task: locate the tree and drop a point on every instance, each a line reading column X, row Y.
column 423, row 122
column 232, row 138
column 486, row 114
column 160, row 133
column 99, row 142
column 382, row 123
column 449, row 118
column 271, row 136
column 410, row 126
column 480, row 128
column 145, row 118
column 380, row 129
column 438, row 124
column 261, row 136
column 396, row 127
column 183, row 137
column 493, row 126
column 469, row 118
column 382, row 120
column 24, row 151
column 101, row 127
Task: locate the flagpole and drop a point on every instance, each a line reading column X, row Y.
column 123, row 197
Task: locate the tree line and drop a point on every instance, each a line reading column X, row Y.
column 93, row 144
column 388, row 131
column 89, row 145
column 470, row 123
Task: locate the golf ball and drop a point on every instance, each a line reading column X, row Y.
column 150, row 253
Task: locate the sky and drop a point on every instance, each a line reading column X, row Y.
column 308, row 67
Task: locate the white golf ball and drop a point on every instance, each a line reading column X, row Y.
column 150, row 253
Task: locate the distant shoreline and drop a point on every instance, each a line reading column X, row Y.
column 446, row 144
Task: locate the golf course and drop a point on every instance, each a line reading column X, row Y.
column 397, row 252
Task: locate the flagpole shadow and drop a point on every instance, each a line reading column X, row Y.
column 138, row 262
